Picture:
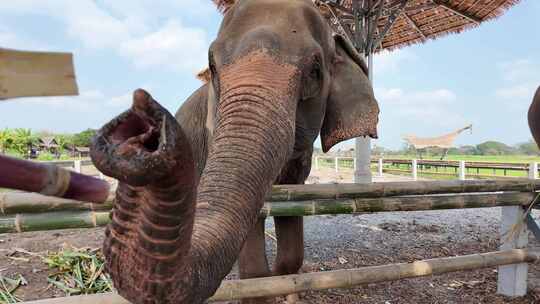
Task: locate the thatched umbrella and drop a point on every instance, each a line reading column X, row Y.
column 24, row 74
column 375, row 25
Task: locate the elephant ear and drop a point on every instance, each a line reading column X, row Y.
column 352, row 110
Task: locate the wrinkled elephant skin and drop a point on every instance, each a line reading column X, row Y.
column 191, row 187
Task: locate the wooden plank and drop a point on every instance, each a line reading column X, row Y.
column 26, row 74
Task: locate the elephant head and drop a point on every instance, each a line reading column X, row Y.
column 278, row 78
column 534, row 117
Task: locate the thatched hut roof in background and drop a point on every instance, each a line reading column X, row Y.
column 421, row 20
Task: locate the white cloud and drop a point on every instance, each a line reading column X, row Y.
column 519, row 69
column 147, row 43
column 122, row 101
column 520, row 80
column 87, row 101
column 172, row 46
column 391, row 62
column 9, row 39
column 518, row 91
column 429, row 108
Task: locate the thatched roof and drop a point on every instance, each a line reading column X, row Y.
column 418, row 21
column 421, row 20
column 48, row 141
column 445, row 141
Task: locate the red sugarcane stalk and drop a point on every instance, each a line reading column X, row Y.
column 51, row 180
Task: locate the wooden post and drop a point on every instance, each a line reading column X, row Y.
column 462, row 170
column 337, row 165
column 512, row 279
column 380, row 167
column 414, row 169
column 27, row 74
column 77, row 166
column 533, row 170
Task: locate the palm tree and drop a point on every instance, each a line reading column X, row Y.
column 6, row 140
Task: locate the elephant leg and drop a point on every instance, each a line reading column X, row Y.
column 252, row 262
column 290, row 248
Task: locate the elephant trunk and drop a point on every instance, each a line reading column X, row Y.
column 171, row 241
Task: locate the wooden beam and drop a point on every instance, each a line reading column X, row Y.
column 390, row 22
column 25, row 74
column 346, row 278
column 458, row 12
column 414, row 25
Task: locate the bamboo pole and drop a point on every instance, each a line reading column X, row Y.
column 51, row 180
column 374, row 190
column 18, row 202
column 53, row 221
column 85, row 219
column 21, row 202
column 349, row 278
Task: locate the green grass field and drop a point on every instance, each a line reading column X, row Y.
column 445, row 173
column 476, row 158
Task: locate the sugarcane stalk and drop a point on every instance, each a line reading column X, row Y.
column 51, row 180
column 89, row 219
column 347, row 278
column 22, row 202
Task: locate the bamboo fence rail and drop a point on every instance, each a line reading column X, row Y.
column 26, row 222
column 349, row 278
column 20, row 202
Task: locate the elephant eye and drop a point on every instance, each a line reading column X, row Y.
column 312, row 82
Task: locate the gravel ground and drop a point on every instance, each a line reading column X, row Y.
column 340, row 242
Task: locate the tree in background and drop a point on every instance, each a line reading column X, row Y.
column 528, row 148
column 494, row 148
column 23, row 140
column 84, row 138
column 6, row 140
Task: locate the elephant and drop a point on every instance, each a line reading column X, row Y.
column 534, row 117
column 191, row 187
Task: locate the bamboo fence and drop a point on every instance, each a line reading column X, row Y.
column 349, row 278
column 65, row 218
column 20, row 202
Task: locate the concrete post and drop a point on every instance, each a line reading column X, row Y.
column 533, row 170
column 316, row 163
column 77, row 166
column 337, row 165
column 414, row 168
column 354, row 163
column 512, row 279
column 461, row 170
column 380, row 167
column 362, row 174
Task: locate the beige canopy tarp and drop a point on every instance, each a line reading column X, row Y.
column 445, row 141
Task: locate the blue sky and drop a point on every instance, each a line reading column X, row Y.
column 485, row 76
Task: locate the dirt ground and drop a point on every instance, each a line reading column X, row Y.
column 336, row 242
